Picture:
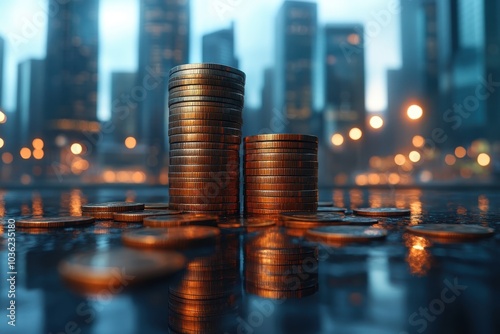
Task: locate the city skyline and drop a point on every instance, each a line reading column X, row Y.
column 254, row 47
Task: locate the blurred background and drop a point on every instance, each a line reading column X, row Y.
column 399, row 92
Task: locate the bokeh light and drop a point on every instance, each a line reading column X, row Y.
column 414, row 156
column 355, row 134
column 460, row 152
column 483, row 159
column 130, row 143
column 400, row 159
column 376, row 122
column 337, row 139
column 76, row 148
column 415, row 112
column 25, row 153
column 418, row 141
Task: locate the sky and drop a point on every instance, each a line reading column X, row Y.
column 24, row 28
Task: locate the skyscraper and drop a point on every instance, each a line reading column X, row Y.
column 163, row 44
column 30, row 99
column 2, row 56
column 345, row 76
column 124, row 117
column 71, row 75
column 296, row 33
column 218, row 47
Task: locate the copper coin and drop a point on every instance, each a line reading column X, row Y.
column 289, row 199
column 203, row 122
column 285, row 187
column 280, row 145
column 280, row 151
column 282, row 193
column 322, row 217
column 206, row 207
column 50, row 222
column 246, row 223
column 280, row 157
column 156, row 206
column 203, row 160
column 381, row 212
column 259, row 211
column 354, row 220
column 204, row 130
column 98, row 215
column 203, row 199
column 202, row 192
column 331, row 209
column 181, row 220
column 452, row 231
column 204, row 145
column 222, row 176
column 177, row 114
column 173, row 237
column 282, row 206
column 118, row 268
column 283, row 294
column 138, row 216
column 199, row 137
column 205, row 88
column 281, row 172
column 210, row 111
column 281, row 164
column 281, row 137
column 222, row 100
column 203, row 152
column 206, row 73
column 204, row 168
column 311, row 267
column 112, row 207
column 203, row 104
column 207, row 82
column 207, row 66
column 345, row 234
column 222, row 93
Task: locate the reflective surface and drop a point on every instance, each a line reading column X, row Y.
column 405, row 284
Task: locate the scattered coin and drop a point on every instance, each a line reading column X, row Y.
column 174, row 237
column 181, row 220
column 354, row 220
column 345, row 234
column 50, row 222
column 381, row 212
column 452, row 231
column 156, row 206
column 112, row 207
column 138, row 216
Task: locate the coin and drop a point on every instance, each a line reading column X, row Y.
column 49, row 222
column 381, row 212
column 204, row 152
column 286, row 199
column 282, row 172
column 201, row 192
column 353, row 220
column 222, row 178
column 246, row 223
column 204, row 130
column 201, row 137
column 260, row 211
column 280, row 145
column 204, row 200
column 282, row 193
column 112, row 207
column 206, row 207
column 203, row 160
column 203, row 122
column 281, row 137
column 324, row 217
column 138, row 216
column 204, row 145
column 281, row 151
column 309, row 180
column 207, row 82
column 310, row 267
column 207, row 66
column 173, row 237
column 284, row 187
column 345, row 234
column 115, row 269
column 214, row 92
column 221, row 100
column 177, row 114
column 281, row 164
column 181, row 220
column 282, row 206
column 277, row 294
column 207, row 73
column 205, row 88
column 98, row 215
column 325, row 204
column 452, row 231
column 331, row 209
column 281, row 157
column 156, row 206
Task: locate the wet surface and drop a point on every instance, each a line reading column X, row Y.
column 403, row 284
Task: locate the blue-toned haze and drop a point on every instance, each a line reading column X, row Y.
column 255, row 30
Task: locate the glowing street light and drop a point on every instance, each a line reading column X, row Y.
column 376, row 122
column 337, row 139
column 415, row 112
column 355, row 134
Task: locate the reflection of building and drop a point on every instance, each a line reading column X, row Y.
column 345, row 77
column 30, row 99
column 296, row 31
column 2, row 56
column 218, row 47
column 123, row 116
column 163, row 44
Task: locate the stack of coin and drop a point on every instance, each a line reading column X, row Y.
column 206, row 299
column 278, row 267
column 281, row 173
column 205, row 107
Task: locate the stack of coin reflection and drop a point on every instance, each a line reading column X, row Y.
column 276, row 266
column 281, row 173
column 206, row 300
column 205, row 120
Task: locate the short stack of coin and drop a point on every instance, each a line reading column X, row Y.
column 281, row 173
column 278, row 267
column 206, row 299
column 205, row 120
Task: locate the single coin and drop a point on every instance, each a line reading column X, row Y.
column 286, row 187
column 324, row 217
column 218, row 213
column 138, row 216
column 185, row 236
column 207, row 73
column 282, row 172
column 207, row 110
column 280, row 145
column 246, row 223
column 98, row 215
column 222, row 100
column 325, row 204
column 204, row 145
column 281, row 164
column 206, row 82
column 331, row 209
column 382, row 212
column 112, row 207
column 281, row 137
column 345, row 234
column 204, row 130
column 289, row 199
column 284, row 294
column 452, row 231
column 156, row 206
column 203, row 152
column 203, row 88
column 200, row 137
column 49, row 222
column 281, row 193
column 354, row 220
column 181, row 220
column 203, row 104
column 207, row 66
column 280, row 157
column 204, row 123
column 118, row 268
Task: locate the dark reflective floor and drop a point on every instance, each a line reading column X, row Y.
column 405, row 284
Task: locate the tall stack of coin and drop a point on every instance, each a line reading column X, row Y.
column 205, row 106
column 281, row 173
column 278, row 267
column 206, row 300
